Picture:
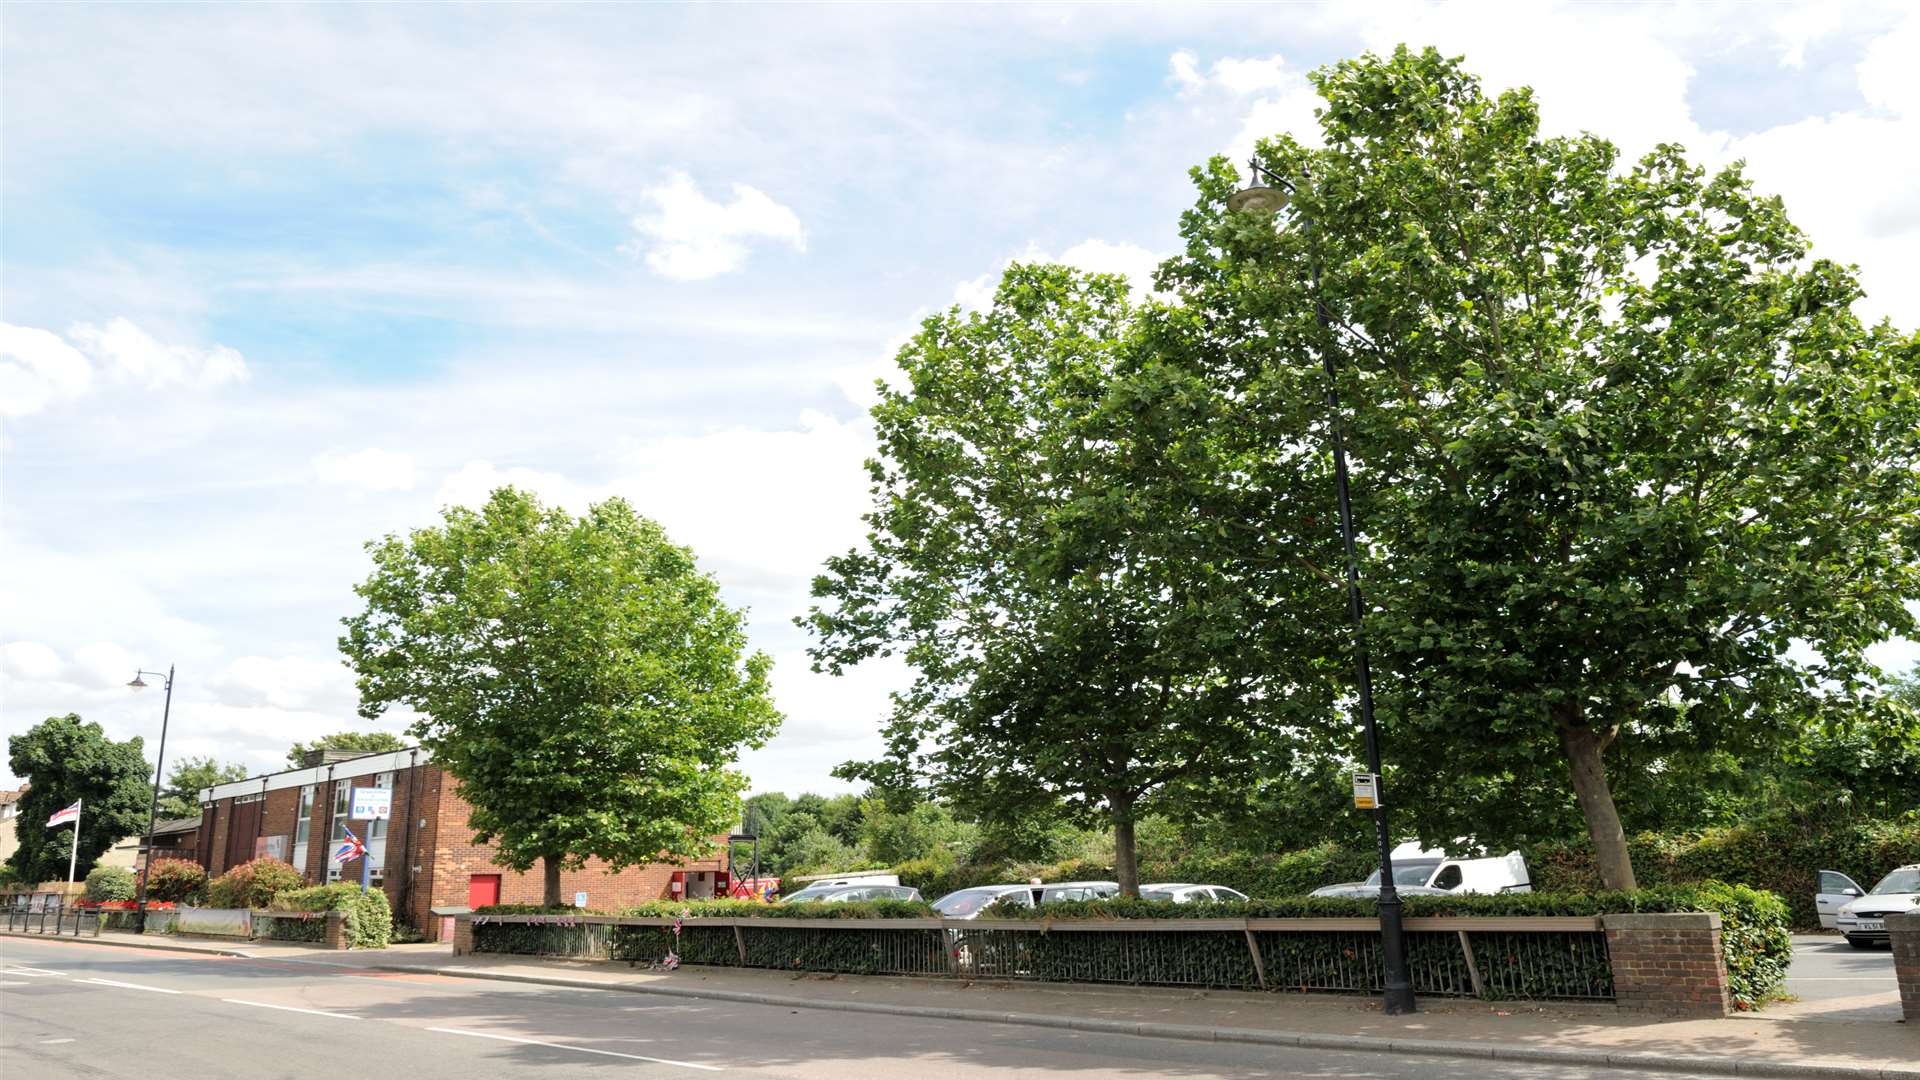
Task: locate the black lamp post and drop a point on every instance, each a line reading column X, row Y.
column 1393, row 946
column 153, row 805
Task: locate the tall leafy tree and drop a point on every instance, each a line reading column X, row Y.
column 1054, row 551
column 180, row 796
column 364, row 742
column 579, row 676
column 1632, row 476
column 64, row 758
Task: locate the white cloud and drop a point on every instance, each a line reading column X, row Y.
column 29, row 660
column 1889, row 76
column 477, row 480
column 287, row 682
column 371, row 469
column 38, row 369
column 690, row 237
column 1282, row 98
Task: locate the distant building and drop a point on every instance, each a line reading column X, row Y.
column 423, row 857
column 9, row 817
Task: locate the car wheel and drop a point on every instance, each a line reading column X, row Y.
column 1859, row 942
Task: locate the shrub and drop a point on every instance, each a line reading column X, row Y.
column 110, row 883
column 1778, row 854
column 253, row 884
column 368, row 918
column 176, row 881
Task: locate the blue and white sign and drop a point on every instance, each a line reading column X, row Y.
column 370, row 803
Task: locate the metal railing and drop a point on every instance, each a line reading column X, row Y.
column 48, row 913
column 1518, row 958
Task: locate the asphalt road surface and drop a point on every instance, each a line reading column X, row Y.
column 70, row 1010
column 1835, row 981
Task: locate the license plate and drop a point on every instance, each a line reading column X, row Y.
column 1873, row 924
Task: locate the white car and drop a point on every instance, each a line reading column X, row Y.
column 1862, row 917
column 969, row 903
column 1418, row 872
column 1183, row 893
column 1078, row 890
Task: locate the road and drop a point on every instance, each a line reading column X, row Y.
column 73, row 1010
column 1835, row 981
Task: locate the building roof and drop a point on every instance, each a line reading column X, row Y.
column 169, row 826
column 366, row 765
column 12, row 796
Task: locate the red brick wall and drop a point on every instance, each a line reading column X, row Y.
column 1668, row 963
column 1904, row 930
column 222, row 813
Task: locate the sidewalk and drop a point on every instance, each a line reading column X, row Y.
column 1750, row 1045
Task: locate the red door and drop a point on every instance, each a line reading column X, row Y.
column 483, row 889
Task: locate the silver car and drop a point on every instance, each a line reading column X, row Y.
column 1185, row 893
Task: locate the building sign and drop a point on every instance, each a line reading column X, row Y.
column 270, row 847
column 370, row 803
column 1366, row 791
column 579, row 899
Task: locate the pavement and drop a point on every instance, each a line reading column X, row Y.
column 784, row 1025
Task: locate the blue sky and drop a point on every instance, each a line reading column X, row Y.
column 277, row 280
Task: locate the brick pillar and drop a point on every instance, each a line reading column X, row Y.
column 1905, row 933
column 336, row 930
column 1668, row 963
column 462, row 935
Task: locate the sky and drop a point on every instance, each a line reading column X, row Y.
column 276, row 280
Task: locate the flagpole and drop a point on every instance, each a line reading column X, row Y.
column 73, row 859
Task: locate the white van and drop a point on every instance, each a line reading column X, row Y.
column 1419, row 872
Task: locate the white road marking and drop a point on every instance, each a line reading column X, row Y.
column 129, row 986
column 36, row 972
column 10, row 982
column 50, row 1042
column 1840, row 978
column 582, row 1049
column 290, row 1008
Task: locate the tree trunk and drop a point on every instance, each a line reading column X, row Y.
column 551, row 863
column 1126, row 862
column 1583, row 747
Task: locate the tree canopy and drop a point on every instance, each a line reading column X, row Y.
column 365, row 742
column 180, row 797
column 579, row 676
column 1634, row 480
column 1054, row 550
column 64, row 758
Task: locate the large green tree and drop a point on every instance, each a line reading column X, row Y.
column 1633, row 478
column 64, row 758
column 180, row 797
column 1056, row 552
column 579, row 676
column 364, row 742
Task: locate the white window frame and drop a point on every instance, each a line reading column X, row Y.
column 303, row 825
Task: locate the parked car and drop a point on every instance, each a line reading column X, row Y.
column 969, row 903
column 1834, row 891
column 1419, row 872
column 840, row 894
column 1863, row 917
column 1183, row 893
column 1078, row 890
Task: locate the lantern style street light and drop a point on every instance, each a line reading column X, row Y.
column 1269, row 201
column 153, row 804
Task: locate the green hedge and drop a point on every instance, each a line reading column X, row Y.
column 289, row 928
column 178, row 880
column 1780, row 855
column 739, row 909
column 367, row 917
column 253, row 884
column 110, row 883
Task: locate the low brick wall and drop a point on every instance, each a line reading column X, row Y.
column 1904, row 930
column 1668, row 963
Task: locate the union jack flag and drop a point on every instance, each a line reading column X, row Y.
column 350, row 849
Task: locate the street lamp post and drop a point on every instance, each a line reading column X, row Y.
column 1398, row 998
column 153, row 805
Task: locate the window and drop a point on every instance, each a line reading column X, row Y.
column 1833, row 882
column 1448, row 877
column 342, row 806
column 303, row 827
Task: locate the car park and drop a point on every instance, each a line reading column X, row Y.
column 1420, row 872
column 1863, row 920
column 1186, row 893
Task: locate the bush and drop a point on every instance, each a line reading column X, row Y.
column 253, row 884
column 368, row 918
column 110, row 883
column 1779, row 854
column 176, row 881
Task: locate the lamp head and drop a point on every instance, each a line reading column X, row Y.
column 1257, row 200
column 137, row 683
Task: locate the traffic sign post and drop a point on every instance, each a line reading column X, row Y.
column 1366, row 791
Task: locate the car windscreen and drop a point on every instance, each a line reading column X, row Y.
column 968, row 901
column 1900, row 881
column 1408, row 873
column 1156, row 894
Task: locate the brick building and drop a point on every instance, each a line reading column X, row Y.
column 423, row 857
